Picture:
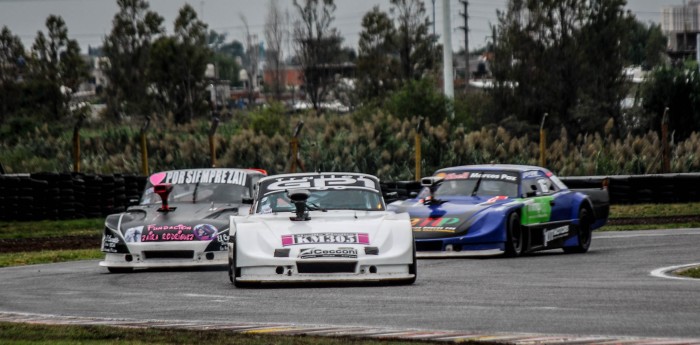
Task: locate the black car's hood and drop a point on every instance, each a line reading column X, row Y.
column 184, row 222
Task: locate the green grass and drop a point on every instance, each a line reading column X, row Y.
column 48, row 256
column 21, row 333
column 691, row 272
column 654, row 210
column 632, row 227
column 51, row 228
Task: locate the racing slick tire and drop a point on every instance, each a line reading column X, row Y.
column 412, row 268
column 233, row 271
column 515, row 237
column 120, row 269
column 583, row 233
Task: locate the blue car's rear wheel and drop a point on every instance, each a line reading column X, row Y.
column 515, row 238
column 583, row 230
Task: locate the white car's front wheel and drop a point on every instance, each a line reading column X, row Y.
column 233, row 271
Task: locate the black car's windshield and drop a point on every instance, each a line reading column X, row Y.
column 327, row 199
column 200, row 193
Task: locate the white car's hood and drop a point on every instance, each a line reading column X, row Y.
column 337, row 228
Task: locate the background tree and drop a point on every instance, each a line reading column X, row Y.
column 224, row 56
column 56, row 66
column 318, row 47
column 677, row 88
column 647, row 44
column 415, row 44
column 560, row 57
column 178, row 64
column 605, row 36
column 377, row 66
column 275, row 35
column 12, row 65
column 128, row 47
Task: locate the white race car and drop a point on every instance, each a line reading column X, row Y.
column 182, row 220
column 320, row 227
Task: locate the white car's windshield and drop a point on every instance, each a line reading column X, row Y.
column 200, row 193
column 328, row 199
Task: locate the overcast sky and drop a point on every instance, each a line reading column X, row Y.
column 89, row 21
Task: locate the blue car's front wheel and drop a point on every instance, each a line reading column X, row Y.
column 515, row 237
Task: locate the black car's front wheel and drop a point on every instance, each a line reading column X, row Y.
column 120, row 269
column 584, row 235
column 515, row 237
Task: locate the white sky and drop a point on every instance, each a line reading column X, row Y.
column 89, row 21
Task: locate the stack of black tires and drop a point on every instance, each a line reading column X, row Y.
column 45, row 195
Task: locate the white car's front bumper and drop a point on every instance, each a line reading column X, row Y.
column 290, row 273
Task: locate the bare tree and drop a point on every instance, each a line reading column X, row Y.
column 414, row 42
column 252, row 53
column 275, row 33
column 317, row 47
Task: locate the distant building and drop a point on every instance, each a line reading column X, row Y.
column 681, row 25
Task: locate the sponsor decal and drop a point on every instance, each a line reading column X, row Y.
column 155, row 232
column 326, row 181
column 493, row 176
column 225, row 176
column 454, row 176
column 133, row 234
column 109, row 244
column 496, row 198
column 532, row 174
column 205, row 232
column 311, row 253
column 343, row 238
column 441, row 224
column 555, row 233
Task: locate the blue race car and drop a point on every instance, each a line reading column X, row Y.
column 501, row 209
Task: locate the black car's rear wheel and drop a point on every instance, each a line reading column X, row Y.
column 583, row 230
column 515, row 237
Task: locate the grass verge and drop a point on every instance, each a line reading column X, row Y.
column 691, row 272
column 22, row 333
column 654, row 210
column 641, row 211
column 631, row 227
column 48, row 256
column 51, row 228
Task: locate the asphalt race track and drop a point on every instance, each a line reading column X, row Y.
column 609, row 291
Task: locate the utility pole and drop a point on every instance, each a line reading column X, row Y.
column 465, row 15
column 433, row 20
column 447, row 52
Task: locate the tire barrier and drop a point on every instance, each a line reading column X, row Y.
column 53, row 196
column 641, row 189
column 403, row 190
column 40, row 196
